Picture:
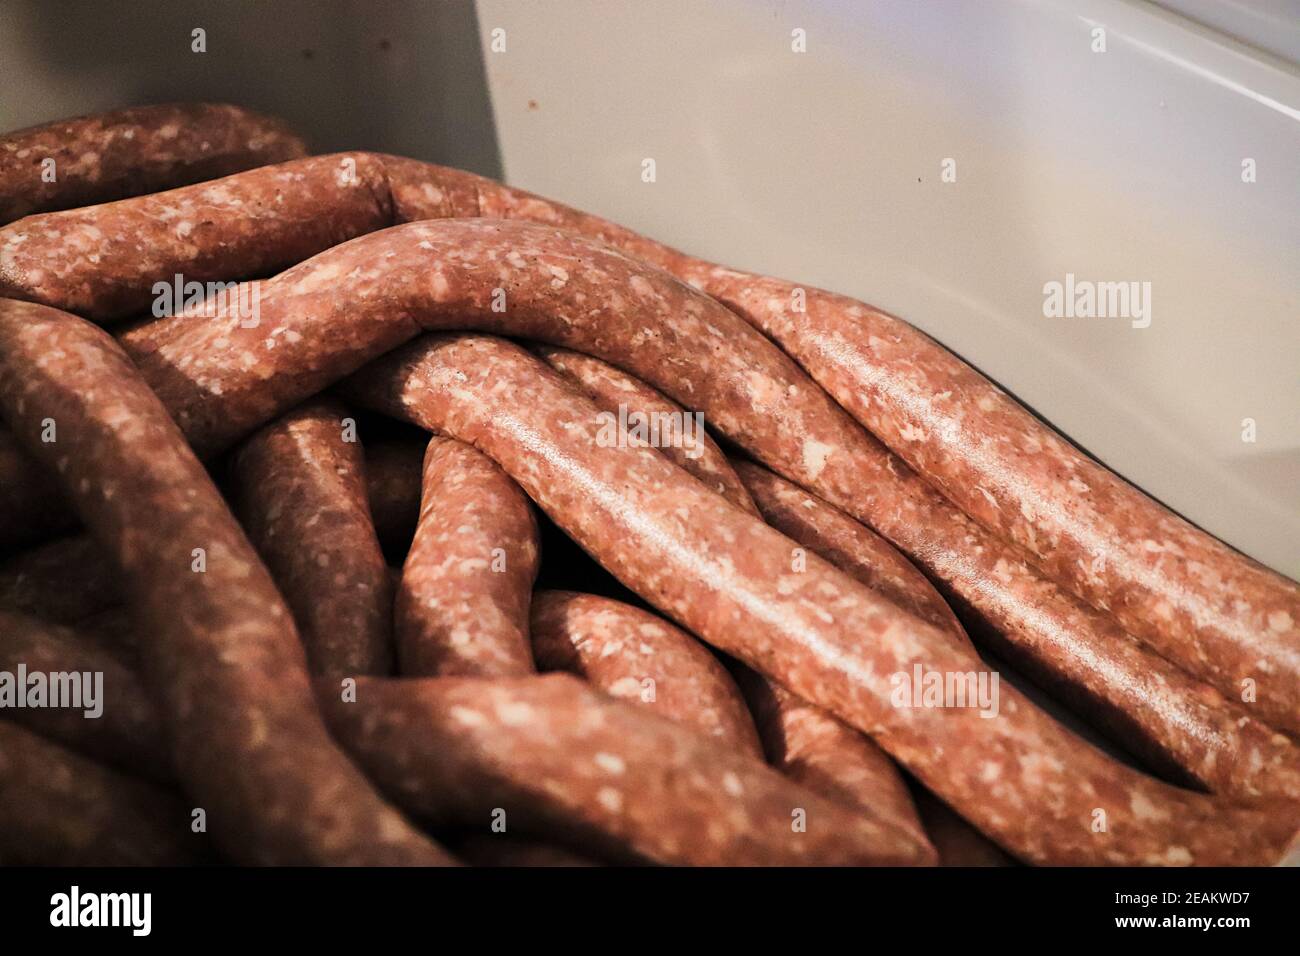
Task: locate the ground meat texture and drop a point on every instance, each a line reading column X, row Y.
column 122, row 734
column 1214, row 612
column 812, row 744
column 1041, row 792
column 393, row 475
column 827, row 756
column 611, row 388
column 850, row 546
column 801, row 740
column 219, row 380
column 134, row 151
column 571, row 765
column 560, row 758
column 221, row 654
column 635, row 656
column 1223, row 617
column 462, row 604
column 102, row 262
column 61, row 809
column 301, row 492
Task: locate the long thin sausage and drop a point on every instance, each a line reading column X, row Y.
column 219, row 646
column 301, row 493
column 827, row 755
column 218, row 379
column 614, row 391
column 636, row 656
column 557, row 757
column 95, row 159
column 1044, row 794
column 103, row 262
column 801, row 740
column 850, row 546
column 462, row 604
column 1222, row 616
column 564, row 761
column 1213, row 611
column 824, row 754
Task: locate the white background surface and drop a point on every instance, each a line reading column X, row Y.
column 824, row 167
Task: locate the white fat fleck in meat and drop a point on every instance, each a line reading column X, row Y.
column 470, row 718
column 516, row 713
column 1178, row 856
column 610, row 799
column 815, row 455
column 1280, row 621
column 910, row 432
column 625, row 687
column 1144, row 809
column 610, row 763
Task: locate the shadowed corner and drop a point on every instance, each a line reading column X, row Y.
column 404, row 76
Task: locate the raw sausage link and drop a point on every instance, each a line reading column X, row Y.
column 1222, row 616
column 102, row 261
column 69, row 579
column 827, row 756
column 611, row 388
column 301, row 493
column 1039, row 790
column 832, row 753
column 34, row 507
column 1215, row 612
column 58, row 808
column 393, row 477
column 1213, row 743
column 134, row 151
column 802, row 741
column 220, row 649
column 568, row 762
column 219, row 379
column 638, row 657
column 462, row 604
column 852, row 547
column 562, row 759
column 121, row 733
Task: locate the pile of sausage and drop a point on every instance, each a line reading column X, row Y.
column 319, row 635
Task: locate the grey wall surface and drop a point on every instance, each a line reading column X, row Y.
column 402, row 76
